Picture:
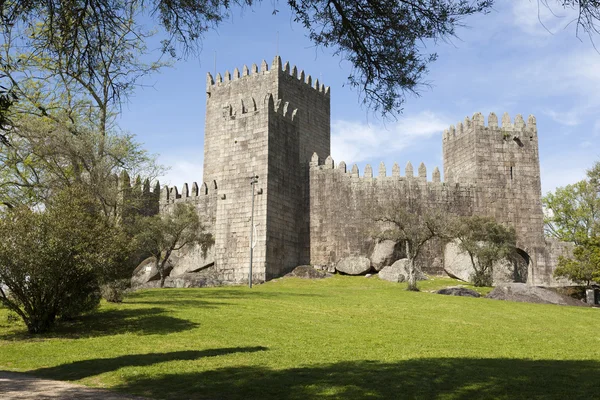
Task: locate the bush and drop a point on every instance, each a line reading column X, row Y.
column 482, row 278
column 50, row 260
column 115, row 291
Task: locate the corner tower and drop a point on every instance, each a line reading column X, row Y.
column 502, row 161
column 265, row 122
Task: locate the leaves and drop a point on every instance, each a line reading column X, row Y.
column 161, row 235
column 584, row 266
column 573, row 212
column 486, row 242
column 52, row 261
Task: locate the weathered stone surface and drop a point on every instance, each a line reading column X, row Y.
column 458, row 291
column 308, row 272
column 147, row 272
column 385, row 253
column 318, row 214
column 458, row 265
column 530, row 294
column 191, row 260
column 354, row 265
column 402, row 267
column 591, row 295
column 193, row 279
column 392, row 274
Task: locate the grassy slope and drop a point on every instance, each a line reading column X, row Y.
column 343, row 337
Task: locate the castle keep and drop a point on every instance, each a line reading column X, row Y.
column 274, row 122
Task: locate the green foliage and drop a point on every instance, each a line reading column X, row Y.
column 161, row 235
column 584, row 267
column 486, row 242
column 383, row 40
column 573, row 212
column 414, row 227
column 114, row 291
column 304, row 339
column 52, row 261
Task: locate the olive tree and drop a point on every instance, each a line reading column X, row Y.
column 414, row 227
column 486, row 242
column 161, row 235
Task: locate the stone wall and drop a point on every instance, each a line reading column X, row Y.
column 283, row 192
column 342, row 203
column 503, row 163
column 269, row 122
column 546, row 261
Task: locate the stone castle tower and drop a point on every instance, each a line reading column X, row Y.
column 275, row 123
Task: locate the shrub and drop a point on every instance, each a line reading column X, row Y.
column 50, row 260
column 115, row 291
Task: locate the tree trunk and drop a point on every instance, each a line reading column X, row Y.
column 160, row 268
column 412, row 276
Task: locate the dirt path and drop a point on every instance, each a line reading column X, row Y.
column 14, row 385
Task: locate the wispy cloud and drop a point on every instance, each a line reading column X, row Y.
column 569, row 118
column 535, row 18
column 181, row 171
column 354, row 141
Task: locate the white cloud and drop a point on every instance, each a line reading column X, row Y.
column 354, row 141
column 570, row 79
column 569, row 118
column 535, row 18
column 181, row 171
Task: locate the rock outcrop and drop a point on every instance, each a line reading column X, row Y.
column 354, row 265
column 531, row 294
column 458, row 291
column 308, row 272
column 385, row 253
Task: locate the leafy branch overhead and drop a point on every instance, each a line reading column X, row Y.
column 385, row 41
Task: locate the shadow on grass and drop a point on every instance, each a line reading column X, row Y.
column 437, row 378
column 140, row 321
column 86, row 368
column 205, row 297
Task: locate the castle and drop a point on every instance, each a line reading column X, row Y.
column 274, row 123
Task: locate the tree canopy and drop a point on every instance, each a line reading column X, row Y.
column 53, row 261
column 486, row 242
column 413, row 226
column 384, row 41
column 573, row 214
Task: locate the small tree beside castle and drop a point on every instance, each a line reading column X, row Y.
column 161, row 235
column 414, row 229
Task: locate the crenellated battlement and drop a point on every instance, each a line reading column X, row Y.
column 328, row 164
column 254, row 72
column 124, row 183
column 248, row 107
column 505, row 128
column 170, row 195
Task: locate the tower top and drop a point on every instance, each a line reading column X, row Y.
column 254, row 72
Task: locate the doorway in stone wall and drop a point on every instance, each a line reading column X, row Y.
column 520, row 263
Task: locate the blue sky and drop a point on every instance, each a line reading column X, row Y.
column 507, row 61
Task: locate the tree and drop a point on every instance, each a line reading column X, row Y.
column 382, row 40
column 414, row 228
column 52, row 261
column 161, row 235
column 573, row 212
column 70, row 92
column 486, row 242
column 584, row 266
column 573, row 215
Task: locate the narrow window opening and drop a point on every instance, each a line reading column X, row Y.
column 511, row 173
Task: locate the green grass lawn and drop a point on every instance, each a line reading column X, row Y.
column 338, row 338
